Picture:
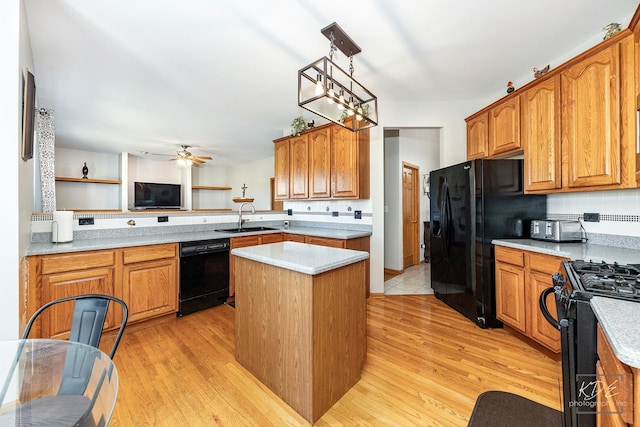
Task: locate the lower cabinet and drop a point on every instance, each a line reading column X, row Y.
column 243, row 242
column 145, row 277
column 616, row 388
column 149, row 281
column 521, row 276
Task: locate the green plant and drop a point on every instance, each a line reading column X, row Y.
column 345, row 112
column 298, row 125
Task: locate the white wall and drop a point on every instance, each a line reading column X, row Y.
column 14, row 174
column 392, row 203
column 256, row 176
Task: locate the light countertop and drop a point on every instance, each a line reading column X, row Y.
column 620, row 321
column 301, row 257
column 584, row 251
column 153, row 239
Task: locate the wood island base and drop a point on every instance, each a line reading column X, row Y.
column 303, row 336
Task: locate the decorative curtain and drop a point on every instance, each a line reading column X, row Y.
column 46, row 137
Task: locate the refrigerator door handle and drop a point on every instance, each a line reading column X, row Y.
column 446, row 220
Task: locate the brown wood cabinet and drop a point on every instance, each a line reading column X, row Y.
column 282, row 168
column 504, row 127
column 618, row 384
column 243, row 242
column 478, row 136
column 150, row 280
column 521, row 276
column 66, row 275
column 323, row 163
column 540, row 135
column 299, row 167
column 145, row 277
column 564, row 148
column 591, row 89
column 320, row 162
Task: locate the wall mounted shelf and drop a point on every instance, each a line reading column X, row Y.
column 89, row 180
column 207, row 187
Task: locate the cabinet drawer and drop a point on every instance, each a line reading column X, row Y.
column 241, row 242
column 148, row 253
column 510, row 256
column 544, row 263
column 614, row 370
column 76, row 261
column 294, row 237
column 271, row 238
column 325, row 241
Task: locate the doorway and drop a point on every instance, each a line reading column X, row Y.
column 419, row 149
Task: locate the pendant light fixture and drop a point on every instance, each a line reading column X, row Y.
column 330, row 92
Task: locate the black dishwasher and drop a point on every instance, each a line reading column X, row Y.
column 204, row 275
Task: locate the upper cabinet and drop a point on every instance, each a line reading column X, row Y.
column 504, row 127
column 575, row 126
column 323, row 163
column 477, row 136
column 540, row 135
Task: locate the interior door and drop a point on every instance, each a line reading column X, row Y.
column 410, row 215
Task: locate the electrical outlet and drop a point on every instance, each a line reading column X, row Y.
column 357, row 214
column 163, row 219
column 591, row 217
column 85, row 221
column 289, row 212
column 335, row 213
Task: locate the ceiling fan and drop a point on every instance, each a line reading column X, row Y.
column 183, row 156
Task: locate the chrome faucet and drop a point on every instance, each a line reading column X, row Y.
column 240, row 220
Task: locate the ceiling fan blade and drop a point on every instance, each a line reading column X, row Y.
column 197, row 160
column 203, row 157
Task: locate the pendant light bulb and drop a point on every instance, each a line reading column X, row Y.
column 330, row 94
column 341, row 100
column 319, row 87
column 359, row 113
column 351, row 107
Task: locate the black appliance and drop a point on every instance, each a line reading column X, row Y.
column 471, row 204
column 151, row 195
column 204, row 274
column 574, row 287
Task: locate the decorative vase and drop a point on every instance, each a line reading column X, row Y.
column 85, row 171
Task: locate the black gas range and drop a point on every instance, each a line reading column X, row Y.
column 574, row 286
column 605, row 279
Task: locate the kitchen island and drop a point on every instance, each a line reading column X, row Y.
column 300, row 325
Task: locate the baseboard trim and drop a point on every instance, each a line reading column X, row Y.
column 394, row 272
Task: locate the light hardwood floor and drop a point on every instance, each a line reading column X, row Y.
column 426, row 365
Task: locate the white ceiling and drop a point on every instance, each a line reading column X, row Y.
column 149, row 75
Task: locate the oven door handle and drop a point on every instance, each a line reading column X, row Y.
column 545, row 310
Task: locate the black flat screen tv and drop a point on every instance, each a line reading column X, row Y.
column 151, row 195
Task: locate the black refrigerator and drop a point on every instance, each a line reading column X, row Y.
column 471, row 204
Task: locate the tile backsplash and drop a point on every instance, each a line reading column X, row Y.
column 619, row 210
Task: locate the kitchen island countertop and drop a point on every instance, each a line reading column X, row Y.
column 301, row 257
column 584, row 251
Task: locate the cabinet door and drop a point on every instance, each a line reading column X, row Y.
column 239, row 242
column 271, row 238
column 150, row 288
column 288, row 237
column 540, row 329
column 591, row 108
column 320, row 164
column 281, row 169
column 510, row 296
column 478, row 136
column 344, row 163
column 299, row 167
column 325, row 241
column 56, row 320
column 540, row 135
column 504, row 127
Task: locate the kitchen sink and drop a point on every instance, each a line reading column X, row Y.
column 246, row 229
